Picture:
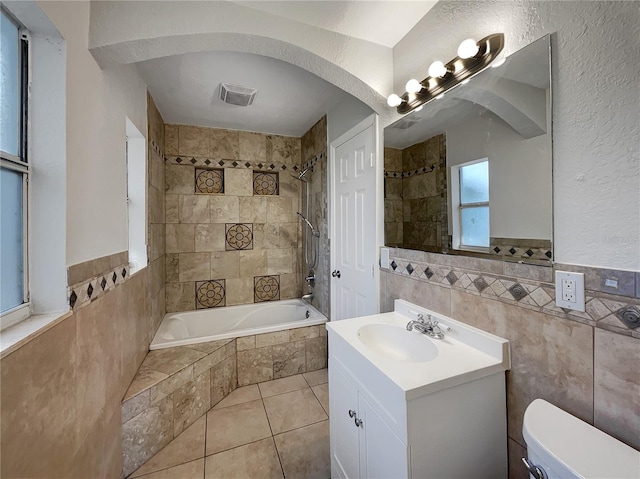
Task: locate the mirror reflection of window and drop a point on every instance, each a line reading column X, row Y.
column 473, row 209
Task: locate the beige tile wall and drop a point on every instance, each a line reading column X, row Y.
column 314, row 154
column 61, row 392
column 585, row 363
column 156, row 215
column 196, row 224
column 416, row 196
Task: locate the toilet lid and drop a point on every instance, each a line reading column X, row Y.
column 564, row 442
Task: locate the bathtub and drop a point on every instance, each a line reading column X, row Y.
column 203, row 325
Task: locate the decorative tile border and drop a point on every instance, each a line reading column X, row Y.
column 83, row 293
column 521, row 248
column 226, row 163
column 266, row 288
column 406, row 174
column 265, row 183
column 602, row 310
column 238, row 236
column 209, row 181
column 155, row 147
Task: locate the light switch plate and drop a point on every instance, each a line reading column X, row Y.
column 384, row 258
column 570, row 290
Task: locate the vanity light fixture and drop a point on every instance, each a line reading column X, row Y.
column 473, row 57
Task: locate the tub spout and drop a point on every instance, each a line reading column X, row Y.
column 308, row 297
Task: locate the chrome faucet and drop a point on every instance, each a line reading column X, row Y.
column 429, row 327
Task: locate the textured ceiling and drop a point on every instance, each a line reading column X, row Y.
column 381, row 22
column 289, row 99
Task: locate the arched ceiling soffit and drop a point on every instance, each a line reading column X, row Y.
column 131, row 32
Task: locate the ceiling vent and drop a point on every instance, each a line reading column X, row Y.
column 236, row 94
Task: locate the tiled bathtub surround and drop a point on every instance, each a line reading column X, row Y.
column 172, row 389
column 583, row 362
column 156, row 243
column 228, row 238
column 176, row 386
column 314, row 156
column 415, row 199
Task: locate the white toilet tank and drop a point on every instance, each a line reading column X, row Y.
column 565, row 447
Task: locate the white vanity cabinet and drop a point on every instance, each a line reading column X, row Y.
column 362, row 444
column 402, row 418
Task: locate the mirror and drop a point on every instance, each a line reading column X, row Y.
column 471, row 173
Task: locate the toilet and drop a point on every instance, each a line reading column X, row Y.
column 564, row 447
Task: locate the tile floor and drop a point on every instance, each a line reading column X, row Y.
column 275, row 429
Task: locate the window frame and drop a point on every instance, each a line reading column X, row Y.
column 458, row 206
column 20, row 163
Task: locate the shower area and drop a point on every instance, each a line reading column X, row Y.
column 245, row 217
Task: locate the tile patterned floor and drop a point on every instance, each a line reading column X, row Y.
column 275, row 429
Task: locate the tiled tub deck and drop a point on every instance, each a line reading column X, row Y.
column 176, row 386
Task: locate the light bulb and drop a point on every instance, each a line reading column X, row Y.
column 413, row 86
column 394, row 100
column 499, row 63
column 419, row 108
column 437, row 69
column 464, row 82
column 468, row 48
column 439, row 96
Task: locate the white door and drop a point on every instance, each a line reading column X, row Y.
column 354, row 229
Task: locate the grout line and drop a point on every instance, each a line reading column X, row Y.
column 301, row 427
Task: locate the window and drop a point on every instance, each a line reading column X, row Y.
column 470, row 194
column 14, row 171
column 136, row 196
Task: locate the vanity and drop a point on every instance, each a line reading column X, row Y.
column 406, row 405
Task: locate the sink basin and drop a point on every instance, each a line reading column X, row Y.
column 395, row 342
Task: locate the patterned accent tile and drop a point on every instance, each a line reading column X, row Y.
column 265, row 183
column 266, row 288
column 409, row 269
column 238, row 236
column 210, row 294
column 517, row 291
column 480, row 284
column 540, row 296
column 451, row 277
column 630, row 316
column 209, row 181
column 428, row 272
column 394, row 265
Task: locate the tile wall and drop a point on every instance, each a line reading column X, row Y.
column 61, row 391
column 314, row 155
column 232, row 233
column 156, row 244
column 585, row 363
column 416, row 195
column 60, row 401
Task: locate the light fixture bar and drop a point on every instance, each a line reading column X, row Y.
column 459, row 70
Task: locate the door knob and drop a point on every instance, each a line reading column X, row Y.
column 336, row 273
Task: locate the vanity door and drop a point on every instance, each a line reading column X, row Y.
column 382, row 454
column 344, row 435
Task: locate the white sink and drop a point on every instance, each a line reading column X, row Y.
column 396, row 343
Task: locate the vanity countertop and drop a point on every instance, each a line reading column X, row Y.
column 465, row 354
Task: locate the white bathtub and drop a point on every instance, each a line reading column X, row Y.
column 192, row 327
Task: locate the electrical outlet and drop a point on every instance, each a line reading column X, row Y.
column 570, row 290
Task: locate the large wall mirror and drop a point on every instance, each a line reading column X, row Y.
column 470, row 173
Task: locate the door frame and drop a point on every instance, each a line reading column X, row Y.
column 372, row 120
